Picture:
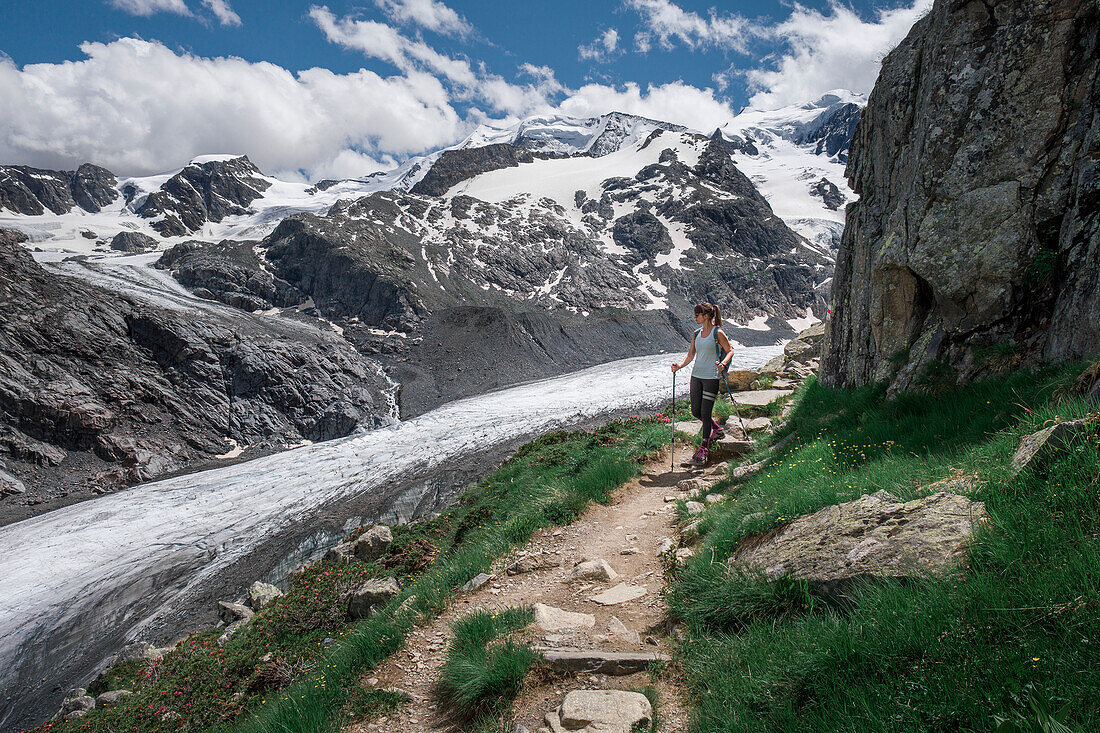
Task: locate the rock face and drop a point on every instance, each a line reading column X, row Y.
column 977, row 226
column 33, row 191
column 875, row 535
column 99, row 389
column 205, row 190
column 828, row 192
column 454, row 166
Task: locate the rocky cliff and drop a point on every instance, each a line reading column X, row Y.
column 99, row 389
column 975, row 241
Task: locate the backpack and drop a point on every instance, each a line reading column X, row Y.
column 717, row 346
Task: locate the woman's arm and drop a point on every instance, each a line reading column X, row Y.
column 687, row 359
column 725, row 345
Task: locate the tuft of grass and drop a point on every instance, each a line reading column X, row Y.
column 483, row 673
column 654, row 698
column 1019, row 621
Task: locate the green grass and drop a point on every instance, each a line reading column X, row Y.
column 277, row 673
column 483, row 672
column 1016, row 631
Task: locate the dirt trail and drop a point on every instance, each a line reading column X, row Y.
column 638, row 517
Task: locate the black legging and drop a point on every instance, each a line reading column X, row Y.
column 703, row 394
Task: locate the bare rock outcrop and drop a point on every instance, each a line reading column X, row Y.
column 876, row 535
column 976, row 240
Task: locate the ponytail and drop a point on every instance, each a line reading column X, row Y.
column 710, row 309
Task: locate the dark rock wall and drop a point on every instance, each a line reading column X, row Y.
column 455, row 166
column 33, row 191
column 976, row 230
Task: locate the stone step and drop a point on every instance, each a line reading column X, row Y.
column 594, row 660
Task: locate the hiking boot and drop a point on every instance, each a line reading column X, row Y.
column 717, row 433
column 700, row 457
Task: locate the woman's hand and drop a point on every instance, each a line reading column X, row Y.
column 676, row 367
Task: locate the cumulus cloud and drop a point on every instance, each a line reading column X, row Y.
column 381, row 41
column 138, row 107
column 223, row 12
column 834, row 50
column 675, row 102
column 431, row 14
column 149, row 7
column 669, row 23
column 602, row 48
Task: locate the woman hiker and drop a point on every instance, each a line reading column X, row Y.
column 704, row 374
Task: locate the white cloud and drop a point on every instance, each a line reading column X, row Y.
column 138, row 107
column 223, row 12
column 149, row 7
column 838, row 50
column 601, row 49
column 380, row 41
column 668, row 22
column 431, row 14
column 384, row 42
column 673, row 102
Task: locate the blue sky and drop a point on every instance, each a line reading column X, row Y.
column 343, row 88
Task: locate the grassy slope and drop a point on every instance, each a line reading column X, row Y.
column 277, row 673
column 1020, row 627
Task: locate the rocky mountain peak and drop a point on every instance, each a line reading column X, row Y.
column 34, row 191
column 208, row 188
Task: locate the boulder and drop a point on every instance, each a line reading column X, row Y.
column 602, row 711
column 618, row 629
column 108, row 700
column 622, row 593
column 133, row 242
column 760, row 398
column 373, row 543
column 875, row 535
column 477, row 581
column 740, row 379
column 231, row 612
column 531, row 563
column 10, row 485
column 374, row 592
column 773, row 367
column 1034, row 447
column 597, row 569
column 139, row 650
column 231, row 630
column 664, row 545
column 693, row 508
column 712, row 498
column 343, row 552
column 553, row 619
column 260, row 594
column 758, row 423
column 77, row 701
column 730, row 447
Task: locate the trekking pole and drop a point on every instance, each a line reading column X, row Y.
column 733, row 402
column 672, row 414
